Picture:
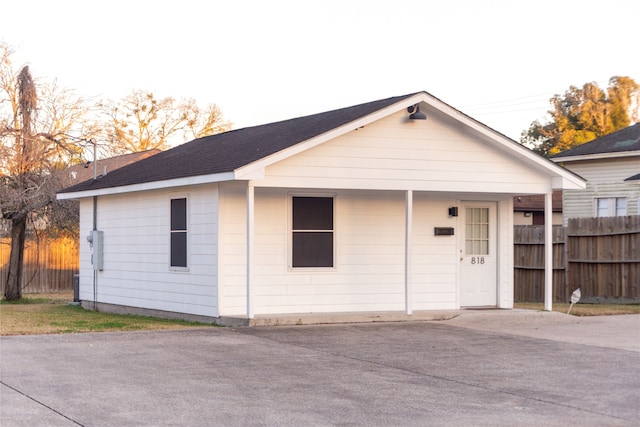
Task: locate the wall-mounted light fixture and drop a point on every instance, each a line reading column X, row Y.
column 415, row 113
column 527, row 214
column 453, row 211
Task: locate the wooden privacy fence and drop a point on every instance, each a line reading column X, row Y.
column 529, row 264
column 598, row 255
column 49, row 264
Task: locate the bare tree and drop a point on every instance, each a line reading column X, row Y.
column 141, row 122
column 32, row 152
column 24, row 186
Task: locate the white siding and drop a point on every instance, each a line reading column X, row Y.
column 434, row 280
column 86, row 269
column 136, row 252
column 233, row 254
column 605, row 179
column 605, row 170
column 369, row 255
column 369, row 269
column 392, row 154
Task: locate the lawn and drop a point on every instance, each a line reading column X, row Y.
column 585, row 309
column 52, row 314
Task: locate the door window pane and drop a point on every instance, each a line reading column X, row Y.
column 477, row 225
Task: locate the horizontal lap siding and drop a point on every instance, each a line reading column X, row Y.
column 581, row 203
column 434, row 258
column 605, row 178
column 605, row 170
column 136, row 252
column 86, row 270
column 233, row 255
column 369, row 273
column 369, row 261
column 393, row 154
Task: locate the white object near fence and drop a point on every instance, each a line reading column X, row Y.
column 575, row 297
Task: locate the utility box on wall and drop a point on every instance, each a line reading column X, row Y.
column 96, row 241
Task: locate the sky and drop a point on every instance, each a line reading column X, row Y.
column 262, row 61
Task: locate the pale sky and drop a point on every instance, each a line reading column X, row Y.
column 262, row 61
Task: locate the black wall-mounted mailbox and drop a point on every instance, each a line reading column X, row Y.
column 443, row 231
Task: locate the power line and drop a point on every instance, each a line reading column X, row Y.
column 521, row 100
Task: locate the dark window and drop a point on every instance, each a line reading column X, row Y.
column 178, row 232
column 312, row 239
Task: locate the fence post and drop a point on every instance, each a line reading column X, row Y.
column 567, row 287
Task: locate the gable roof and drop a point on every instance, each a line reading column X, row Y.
column 612, row 145
column 237, row 154
column 230, row 150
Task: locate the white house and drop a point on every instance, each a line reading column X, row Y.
column 396, row 205
column 611, row 166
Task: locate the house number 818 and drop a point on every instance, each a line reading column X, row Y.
column 477, row 260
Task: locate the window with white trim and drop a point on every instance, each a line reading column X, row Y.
column 611, row 206
column 312, row 232
column 178, row 233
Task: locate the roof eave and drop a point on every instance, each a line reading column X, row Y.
column 598, row 156
column 154, row 185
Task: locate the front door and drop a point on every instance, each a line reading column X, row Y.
column 478, row 255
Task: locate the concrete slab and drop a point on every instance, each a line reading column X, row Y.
column 337, row 318
column 621, row 332
column 369, row 374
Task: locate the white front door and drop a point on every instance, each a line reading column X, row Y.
column 478, row 254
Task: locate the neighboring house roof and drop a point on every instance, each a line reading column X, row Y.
column 634, row 178
column 238, row 154
column 617, row 144
column 535, row 203
column 80, row 173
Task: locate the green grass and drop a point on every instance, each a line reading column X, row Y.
column 52, row 314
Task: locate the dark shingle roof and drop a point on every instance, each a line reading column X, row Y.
column 627, row 139
column 633, row 178
column 228, row 151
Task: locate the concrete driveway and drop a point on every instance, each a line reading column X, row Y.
column 481, row 368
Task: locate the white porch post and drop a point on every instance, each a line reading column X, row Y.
column 548, row 251
column 250, row 233
column 407, row 252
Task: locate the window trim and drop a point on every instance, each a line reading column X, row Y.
column 177, row 268
column 291, row 231
column 612, row 206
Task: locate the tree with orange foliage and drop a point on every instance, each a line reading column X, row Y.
column 584, row 114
